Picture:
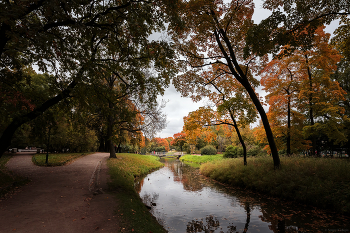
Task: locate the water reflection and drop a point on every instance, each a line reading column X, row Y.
column 184, row 201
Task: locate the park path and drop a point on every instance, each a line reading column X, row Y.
column 60, row 199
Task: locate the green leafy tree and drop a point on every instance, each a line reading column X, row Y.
column 76, row 41
column 292, row 22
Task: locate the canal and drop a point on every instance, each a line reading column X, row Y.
column 184, row 201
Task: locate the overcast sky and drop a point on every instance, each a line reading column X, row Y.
column 178, row 107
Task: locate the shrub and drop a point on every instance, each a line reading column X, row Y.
column 208, row 150
column 240, row 151
column 233, row 152
column 254, row 151
column 230, row 152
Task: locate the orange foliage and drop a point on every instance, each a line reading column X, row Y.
column 162, row 142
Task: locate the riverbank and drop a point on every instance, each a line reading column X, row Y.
column 134, row 215
column 321, row 182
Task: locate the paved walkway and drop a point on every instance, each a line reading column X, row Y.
column 60, row 199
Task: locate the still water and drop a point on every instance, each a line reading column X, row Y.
column 184, row 201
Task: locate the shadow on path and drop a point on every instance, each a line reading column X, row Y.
column 66, row 199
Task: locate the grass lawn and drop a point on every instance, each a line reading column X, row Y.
column 322, row 182
column 197, row 160
column 134, row 214
column 56, row 159
column 8, row 180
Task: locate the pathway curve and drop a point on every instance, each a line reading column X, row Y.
column 60, row 199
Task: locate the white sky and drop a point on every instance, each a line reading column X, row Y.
column 178, row 107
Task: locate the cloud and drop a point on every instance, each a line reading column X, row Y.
column 176, row 108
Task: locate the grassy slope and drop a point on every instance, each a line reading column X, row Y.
column 134, row 214
column 318, row 181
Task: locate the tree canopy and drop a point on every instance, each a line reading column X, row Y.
column 76, row 42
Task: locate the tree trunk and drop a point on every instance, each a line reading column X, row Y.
column 102, row 141
column 288, row 129
column 240, row 138
column 242, row 78
column 48, row 146
column 311, row 113
column 247, row 210
column 110, row 133
column 265, row 121
column 7, row 135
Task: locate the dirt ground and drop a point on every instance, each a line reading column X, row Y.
column 66, row 199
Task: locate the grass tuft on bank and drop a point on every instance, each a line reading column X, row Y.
column 321, row 182
column 56, row 159
column 8, row 180
column 134, row 214
column 197, row 160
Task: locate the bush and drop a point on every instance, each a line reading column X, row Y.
column 208, row 150
column 230, row 152
column 233, row 152
column 254, row 151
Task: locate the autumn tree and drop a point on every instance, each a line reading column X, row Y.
column 215, row 34
column 300, row 82
column 197, row 126
column 319, row 96
column 179, row 139
column 281, row 79
column 159, row 144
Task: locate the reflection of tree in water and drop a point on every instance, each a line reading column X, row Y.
column 286, row 217
column 138, row 184
column 211, row 224
column 149, row 199
column 186, row 175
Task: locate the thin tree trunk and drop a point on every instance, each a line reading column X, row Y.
column 234, row 125
column 242, row 78
column 240, row 138
column 311, row 114
column 288, row 129
column 247, row 210
column 48, row 146
column 110, row 135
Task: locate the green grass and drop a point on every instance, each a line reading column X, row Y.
column 320, row 182
column 197, row 160
column 133, row 213
column 56, row 159
column 8, row 180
